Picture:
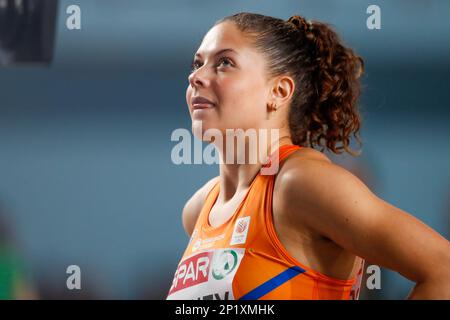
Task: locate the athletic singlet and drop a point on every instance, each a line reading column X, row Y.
column 244, row 259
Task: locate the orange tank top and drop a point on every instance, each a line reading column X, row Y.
column 244, row 259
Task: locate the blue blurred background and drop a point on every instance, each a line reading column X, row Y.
column 86, row 176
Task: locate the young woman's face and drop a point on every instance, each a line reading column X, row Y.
column 231, row 74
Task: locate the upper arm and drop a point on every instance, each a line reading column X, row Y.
column 336, row 204
column 193, row 206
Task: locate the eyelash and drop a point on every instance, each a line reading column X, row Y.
column 194, row 67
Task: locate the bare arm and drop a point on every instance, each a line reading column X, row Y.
column 193, row 206
column 336, row 204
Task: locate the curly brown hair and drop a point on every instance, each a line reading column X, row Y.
column 324, row 110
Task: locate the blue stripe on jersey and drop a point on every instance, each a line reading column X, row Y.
column 273, row 283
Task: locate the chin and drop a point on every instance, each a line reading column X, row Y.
column 200, row 127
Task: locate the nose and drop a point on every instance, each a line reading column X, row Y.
column 198, row 78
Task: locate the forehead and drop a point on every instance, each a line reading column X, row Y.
column 225, row 36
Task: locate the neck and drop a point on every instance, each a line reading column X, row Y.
column 236, row 177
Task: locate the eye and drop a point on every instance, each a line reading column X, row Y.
column 225, row 62
column 195, row 65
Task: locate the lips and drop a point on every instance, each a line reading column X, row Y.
column 201, row 103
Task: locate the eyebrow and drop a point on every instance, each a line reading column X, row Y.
column 218, row 52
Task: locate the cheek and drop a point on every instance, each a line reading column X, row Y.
column 246, row 94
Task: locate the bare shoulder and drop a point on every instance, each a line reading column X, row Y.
column 193, row 206
column 308, row 167
column 310, row 185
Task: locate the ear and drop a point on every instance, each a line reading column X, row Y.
column 282, row 89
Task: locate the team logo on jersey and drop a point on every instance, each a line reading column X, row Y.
column 240, row 231
column 224, row 264
column 240, row 228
